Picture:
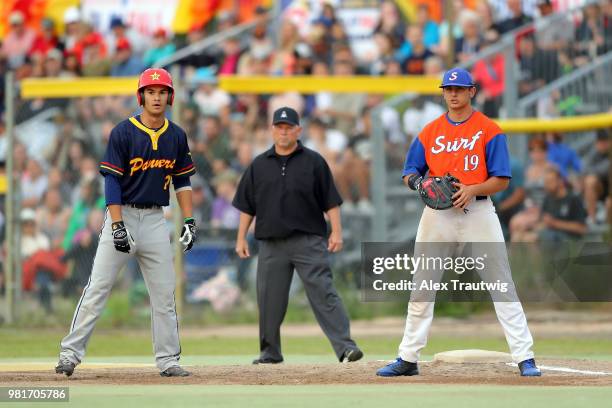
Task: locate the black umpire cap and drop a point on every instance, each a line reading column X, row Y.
column 286, row 115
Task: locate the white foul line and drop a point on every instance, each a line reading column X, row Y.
column 566, row 370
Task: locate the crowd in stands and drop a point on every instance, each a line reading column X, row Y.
column 61, row 198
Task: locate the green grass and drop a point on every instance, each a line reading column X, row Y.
column 353, row 396
column 45, row 343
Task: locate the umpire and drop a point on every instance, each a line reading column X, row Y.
column 288, row 188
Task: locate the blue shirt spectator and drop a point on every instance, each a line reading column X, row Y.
column 563, row 156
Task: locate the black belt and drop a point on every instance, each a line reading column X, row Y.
column 144, row 206
column 480, row 198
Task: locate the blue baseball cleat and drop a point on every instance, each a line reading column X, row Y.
column 528, row 368
column 398, row 368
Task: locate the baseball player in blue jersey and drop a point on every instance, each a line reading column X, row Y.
column 145, row 154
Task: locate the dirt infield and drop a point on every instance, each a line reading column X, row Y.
column 333, row 374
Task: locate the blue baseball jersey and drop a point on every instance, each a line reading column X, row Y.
column 146, row 160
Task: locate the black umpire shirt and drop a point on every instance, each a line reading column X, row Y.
column 287, row 194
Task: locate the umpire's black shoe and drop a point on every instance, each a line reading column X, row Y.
column 351, row 355
column 266, row 361
column 175, row 371
column 65, row 366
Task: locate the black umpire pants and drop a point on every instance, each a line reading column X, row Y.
column 307, row 253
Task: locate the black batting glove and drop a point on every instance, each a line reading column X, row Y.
column 414, row 181
column 188, row 234
column 122, row 238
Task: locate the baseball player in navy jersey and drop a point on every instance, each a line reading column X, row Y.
column 145, row 153
column 472, row 148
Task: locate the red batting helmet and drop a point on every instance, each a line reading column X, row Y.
column 154, row 76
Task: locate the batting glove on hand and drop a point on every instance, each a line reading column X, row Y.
column 414, row 181
column 122, row 238
column 188, row 234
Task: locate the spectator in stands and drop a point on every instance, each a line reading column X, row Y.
column 344, row 108
column 489, row 75
column 385, row 52
column 328, row 16
column 216, row 140
column 72, row 67
column 89, row 199
column 53, row 64
column 261, row 19
column 161, row 48
column 201, row 201
column 189, row 122
column 226, row 19
column 256, row 62
column 120, row 31
column 82, row 251
column 209, row 98
column 391, row 23
column 260, row 48
column 237, row 131
column 509, row 202
column 562, row 156
column 33, row 183
column 517, row 19
column 471, row 41
column 224, row 215
column 283, row 61
column 415, row 63
column 94, row 61
column 591, row 35
column 338, row 35
column 429, row 28
column 72, row 28
column 485, row 16
column 319, row 44
column 228, row 63
column 563, row 214
column 329, row 143
column 596, row 179
column 244, row 157
column 422, row 111
column 46, row 39
column 124, row 62
column 52, row 217
column 41, row 265
column 18, row 41
column 538, row 67
column 354, row 169
column 262, row 139
column 523, row 224
column 252, row 106
column 552, row 34
column 204, row 58
column 303, row 59
column 57, row 181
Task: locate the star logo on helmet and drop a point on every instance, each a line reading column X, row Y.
column 155, row 76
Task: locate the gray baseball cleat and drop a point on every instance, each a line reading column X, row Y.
column 65, row 366
column 175, row 371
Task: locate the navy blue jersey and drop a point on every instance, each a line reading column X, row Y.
column 146, row 160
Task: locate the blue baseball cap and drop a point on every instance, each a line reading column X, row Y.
column 457, row 77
